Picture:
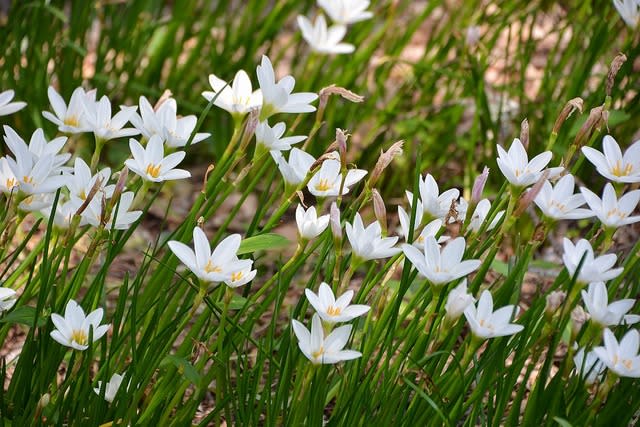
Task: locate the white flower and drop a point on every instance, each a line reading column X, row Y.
column 151, row 164
column 458, row 300
column 559, row 202
column 441, row 266
column 296, row 169
column 485, row 323
column 278, row 96
column 621, row 358
column 434, row 204
column 629, row 11
column 346, row 11
column 36, row 202
column 7, row 299
column 368, row 243
column 321, row 350
column 271, row 137
column 323, row 39
column 72, row 118
column 65, row 210
column 612, row 164
column 479, row 215
column 237, row 98
column 610, row 210
column 38, row 147
column 120, row 219
column 334, row 310
column 29, row 176
column 73, row 329
column 326, row 182
column 429, row 230
column 164, row 122
column 111, row 388
column 81, row 182
column 601, row 312
column 593, row 269
column 309, row 224
column 6, row 106
column 588, row 367
column 221, row 265
column 517, row 168
column 106, row 127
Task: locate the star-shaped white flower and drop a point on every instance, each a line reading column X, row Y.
column 106, row 127
column 278, row 96
column 238, row 98
column 6, row 106
column 368, row 243
column 610, row 210
column 601, row 312
column 519, row 171
column 588, row 366
column 326, row 182
column 164, row 122
column 559, row 202
column 593, row 269
column 151, row 164
column 296, row 169
column 111, row 388
column 431, row 229
column 220, row 265
column 629, row 11
column 309, row 224
column 120, row 218
column 271, row 138
column 434, row 204
column 74, row 328
column 332, row 310
column 621, row 357
column 458, row 300
column 323, row 39
column 612, row 164
column 72, row 118
column 8, row 298
column 486, row 323
column 321, row 350
column 346, row 11
column 441, row 266
column 479, row 215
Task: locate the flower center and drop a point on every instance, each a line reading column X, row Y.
column 616, row 212
column 27, row 179
column 622, row 169
column 627, row 364
column 10, row 183
column 236, row 276
column 323, row 185
column 560, row 206
column 334, row 311
column 71, row 121
column 210, row 267
column 153, row 170
column 79, row 336
column 319, row 352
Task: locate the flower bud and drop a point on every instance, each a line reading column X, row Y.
column 457, row 301
column 524, row 133
column 578, row 318
column 528, row 197
column 571, row 106
column 616, row 64
column 341, row 142
column 554, row 301
column 478, row 186
column 384, row 160
column 334, row 220
column 380, row 210
column 593, row 121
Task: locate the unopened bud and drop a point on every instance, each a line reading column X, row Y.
column 166, row 95
column 524, row 133
column 334, row 220
column 90, row 196
column 593, row 121
column 341, row 142
column 380, row 210
column 44, row 401
column 478, row 186
column 616, row 64
column 571, row 106
column 384, row 160
column 528, row 197
column 578, row 318
column 554, row 301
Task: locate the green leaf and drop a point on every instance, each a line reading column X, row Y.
column 562, row 422
column 23, row 315
column 185, row 368
column 500, row 267
column 263, row 242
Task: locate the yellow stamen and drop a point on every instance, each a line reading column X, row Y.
column 323, row 185
column 27, row 179
column 10, row 183
column 153, row 170
column 79, row 336
column 71, row 121
column 316, row 354
column 621, row 170
column 211, row 268
column 236, row 276
column 334, row 311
